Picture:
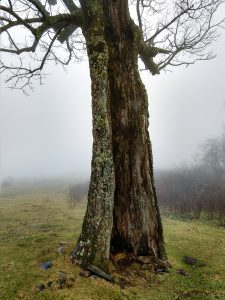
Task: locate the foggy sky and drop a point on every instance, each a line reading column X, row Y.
column 49, row 132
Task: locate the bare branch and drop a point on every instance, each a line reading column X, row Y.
column 151, row 39
column 185, row 32
column 71, row 6
column 68, row 31
column 139, row 16
column 17, row 23
column 17, row 17
column 24, row 75
column 38, row 5
column 31, row 16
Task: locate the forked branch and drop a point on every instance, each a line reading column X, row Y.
column 185, row 32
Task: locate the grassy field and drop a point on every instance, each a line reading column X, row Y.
column 33, row 222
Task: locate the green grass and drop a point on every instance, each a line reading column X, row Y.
column 33, row 222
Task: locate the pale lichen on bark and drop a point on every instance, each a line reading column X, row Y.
column 94, row 243
column 120, row 216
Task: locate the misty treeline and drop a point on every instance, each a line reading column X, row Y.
column 196, row 190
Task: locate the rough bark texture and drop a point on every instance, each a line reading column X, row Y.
column 137, row 227
column 122, row 213
column 94, row 243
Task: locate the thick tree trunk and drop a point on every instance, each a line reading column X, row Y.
column 94, row 242
column 122, row 213
column 137, row 227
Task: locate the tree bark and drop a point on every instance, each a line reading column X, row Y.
column 122, row 212
column 94, row 243
column 137, row 227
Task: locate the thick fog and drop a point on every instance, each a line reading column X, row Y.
column 49, row 132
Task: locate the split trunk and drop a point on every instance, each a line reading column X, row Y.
column 122, row 213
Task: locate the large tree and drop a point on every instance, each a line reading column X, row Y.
column 122, row 212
